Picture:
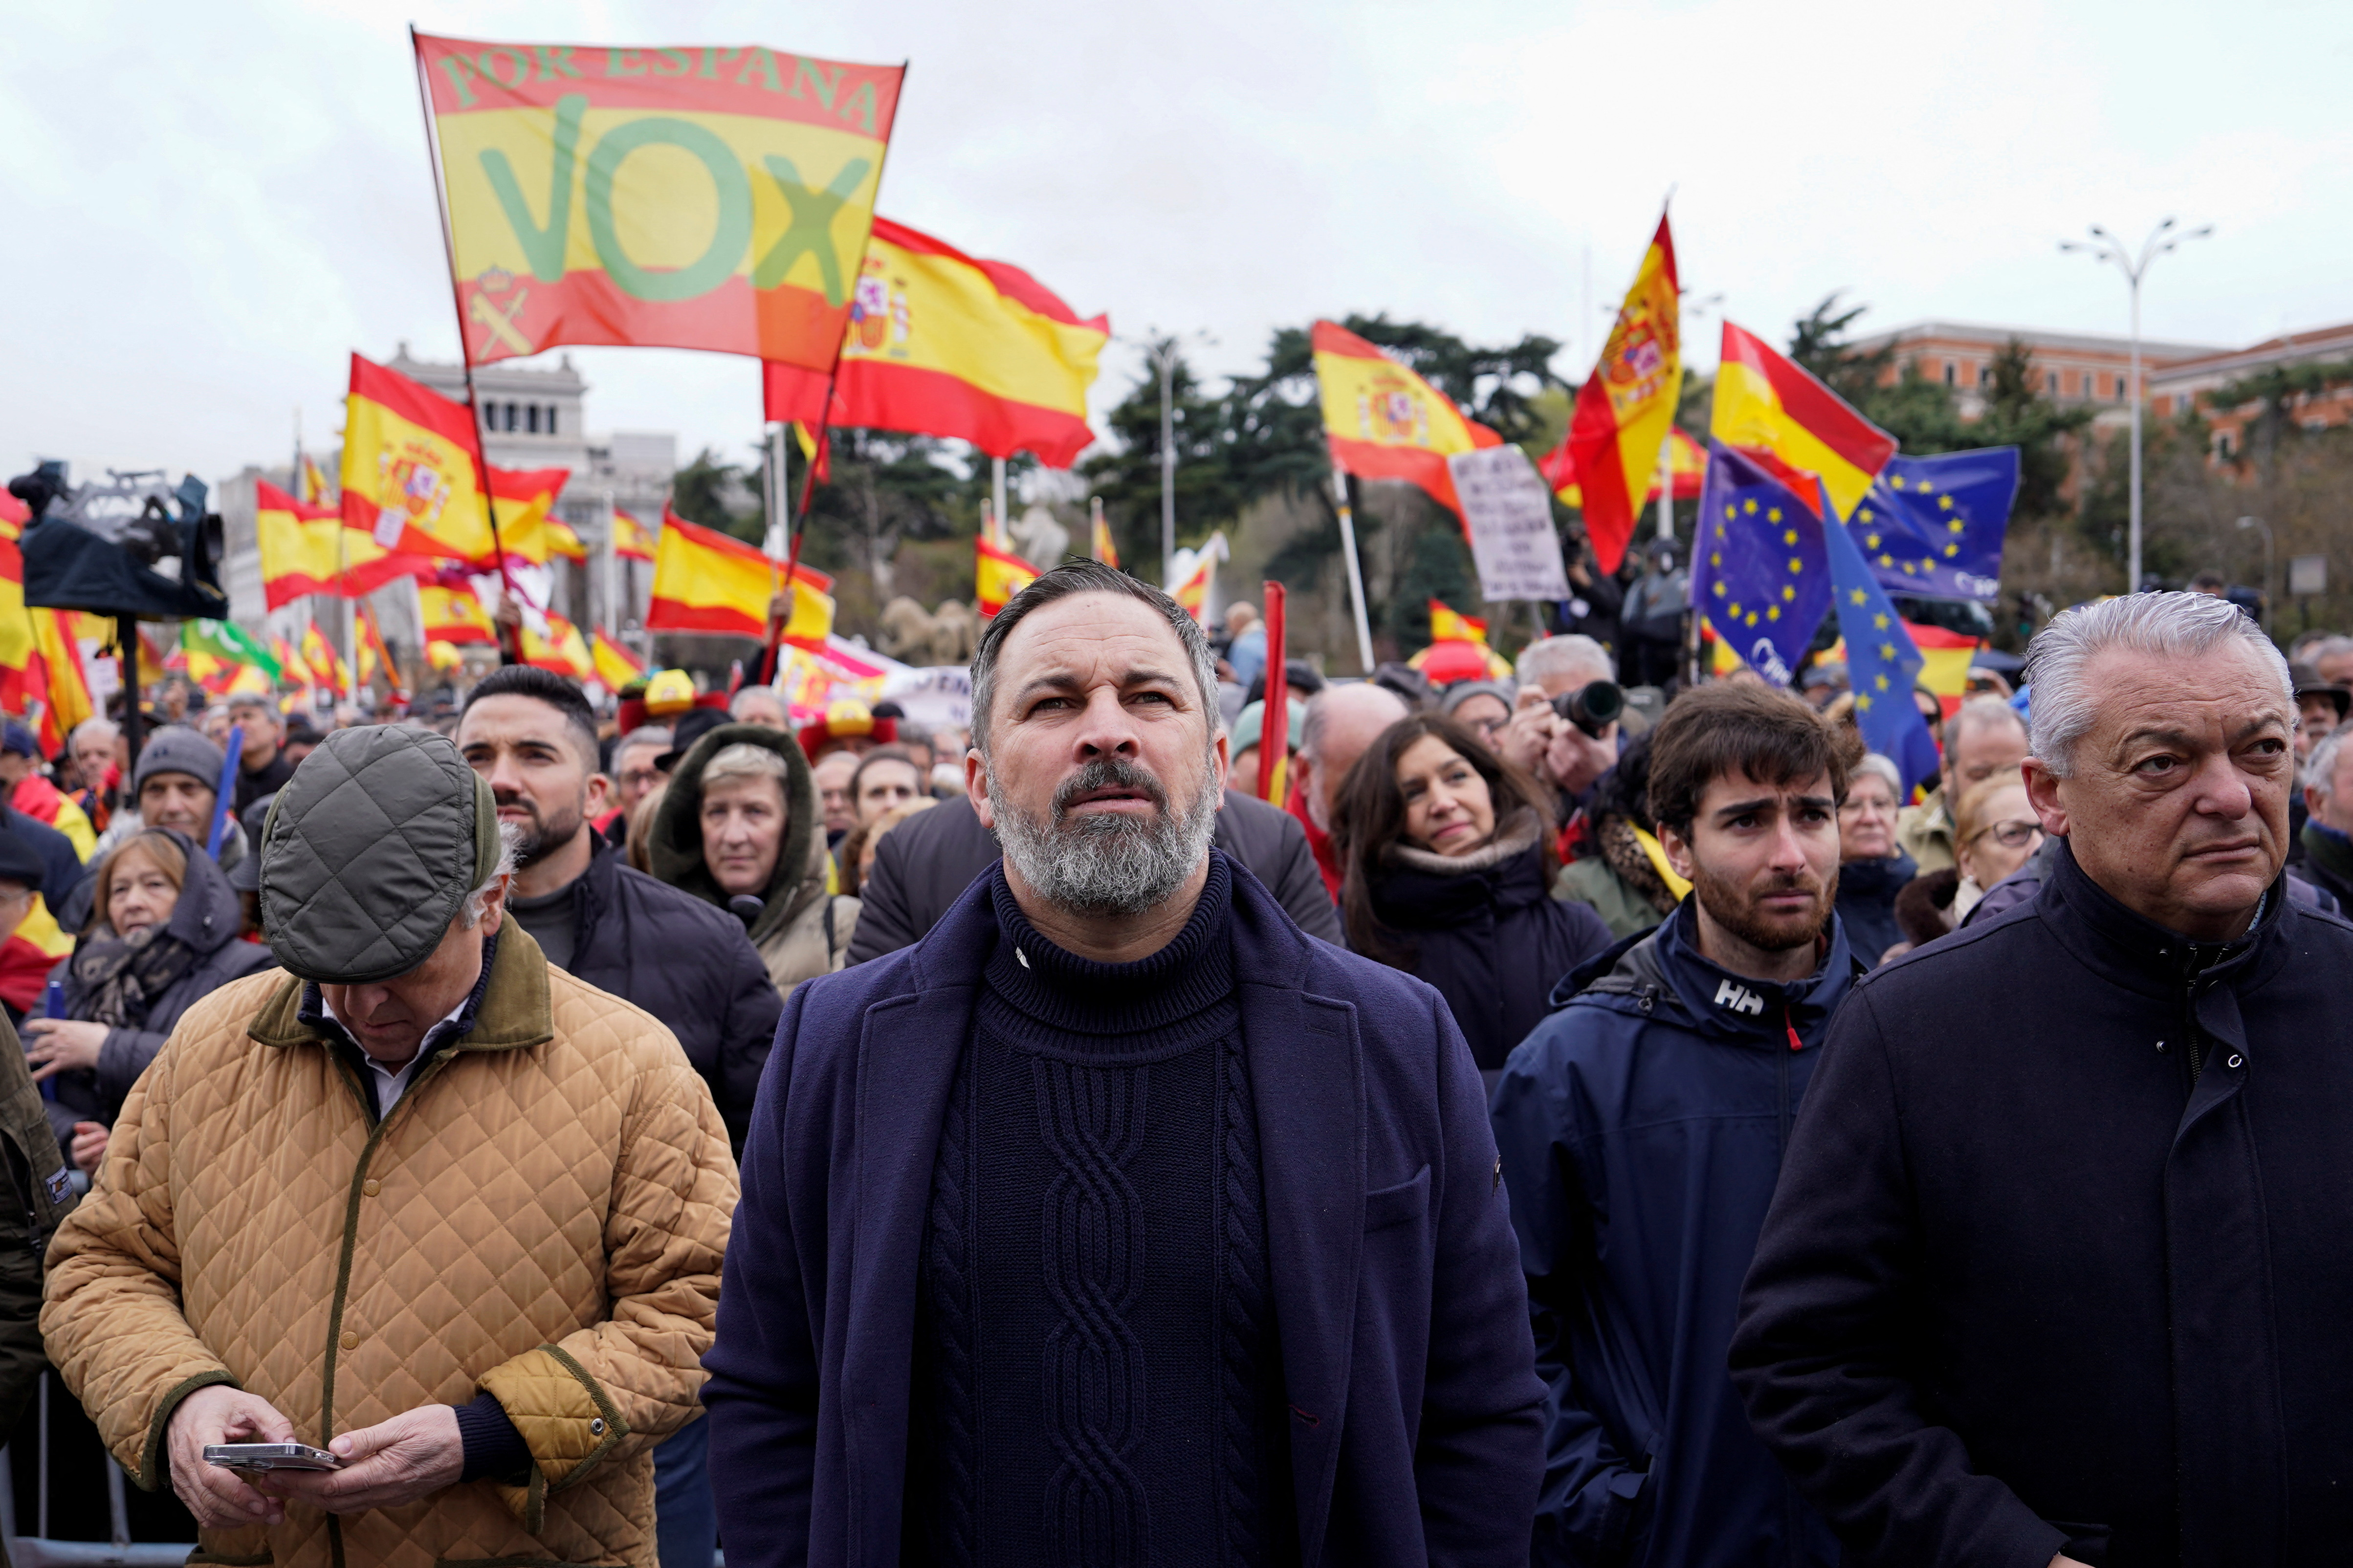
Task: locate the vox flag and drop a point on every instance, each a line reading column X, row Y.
column 693, row 198
column 409, row 467
column 941, row 343
column 1767, row 402
column 306, row 549
column 1384, row 422
column 1628, row 404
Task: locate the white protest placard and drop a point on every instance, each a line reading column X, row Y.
column 936, row 696
column 1510, row 513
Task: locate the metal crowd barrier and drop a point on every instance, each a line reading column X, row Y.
column 38, row 1551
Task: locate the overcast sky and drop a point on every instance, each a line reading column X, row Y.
column 209, row 205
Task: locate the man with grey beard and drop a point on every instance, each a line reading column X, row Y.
column 1116, row 1221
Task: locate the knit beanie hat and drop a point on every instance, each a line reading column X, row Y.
column 177, row 749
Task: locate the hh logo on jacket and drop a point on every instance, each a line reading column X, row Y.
column 1739, row 998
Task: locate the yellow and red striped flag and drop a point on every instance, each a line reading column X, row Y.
column 630, row 540
column 306, row 549
column 409, row 467
column 376, row 656
column 1767, row 402
column 443, row 657
column 1450, row 625
column 1104, row 548
column 561, row 540
column 997, row 575
column 706, row 582
column 563, row 649
column 615, row 666
column 527, row 530
column 943, row 343
column 311, row 483
column 1686, row 463
column 1628, row 404
column 1384, row 422
column 289, row 663
column 695, row 198
column 453, row 613
column 325, row 663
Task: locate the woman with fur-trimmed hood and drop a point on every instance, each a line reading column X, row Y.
column 739, row 826
column 1447, row 863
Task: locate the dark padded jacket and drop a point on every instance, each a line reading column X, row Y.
column 686, row 962
column 1640, row 1128
column 1485, row 930
column 2061, row 1257
column 925, row 863
column 207, row 918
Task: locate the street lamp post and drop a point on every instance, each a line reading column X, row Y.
column 1163, row 356
column 2246, row 523
column 2106, row 246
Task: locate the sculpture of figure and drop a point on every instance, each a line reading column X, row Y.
column 1041, row 541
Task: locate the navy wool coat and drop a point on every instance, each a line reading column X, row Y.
column 1416, row 1431
column 2062, row 1255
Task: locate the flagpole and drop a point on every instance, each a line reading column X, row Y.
column 509, row 653
column 996, row 490
column 1667, row 483
column 1355, row 571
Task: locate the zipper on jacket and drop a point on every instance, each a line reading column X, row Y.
column 1781, row 1066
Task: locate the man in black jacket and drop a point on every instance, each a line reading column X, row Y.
column 924, row 863
column 533, row 736
column 2060, row 1260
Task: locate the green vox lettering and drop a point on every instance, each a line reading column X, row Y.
column 542, row 247
column 730, row 237
column 811, row 231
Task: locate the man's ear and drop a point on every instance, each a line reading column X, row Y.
column 2042, row 795
column 494, row 904
column 1679, row 852
column 597, row 797
column 976, row 788
column 1219, row 750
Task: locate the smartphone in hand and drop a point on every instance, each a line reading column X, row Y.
column 270, row 1457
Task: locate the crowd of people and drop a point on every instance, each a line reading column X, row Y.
column 1594, row 1119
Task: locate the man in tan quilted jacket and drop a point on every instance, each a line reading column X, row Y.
column 420, row 1199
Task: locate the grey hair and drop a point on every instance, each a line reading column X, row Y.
column 1563, row 656
column 1319, row 713
column 645, row 735
column 1978, row 712
column 478, row 897
column 1081, row 576
column 1880, row 767
column 745, row 760
column 746, row 695
column 106, row 727
column 2154, row 626
column 2320, row 768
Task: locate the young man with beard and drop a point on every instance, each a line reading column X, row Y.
column 531, row 736
column 1116, row 1221
column 1642, row 1128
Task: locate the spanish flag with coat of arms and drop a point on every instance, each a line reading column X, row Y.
column 1384, row 422
column 1627, row 405
column 409, row 467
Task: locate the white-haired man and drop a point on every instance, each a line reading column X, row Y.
column 1342, row 721
column 1116, row 1221
column 2060, row 1262
column 2328, row 825
column 1539, row 739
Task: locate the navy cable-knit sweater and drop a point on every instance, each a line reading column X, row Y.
column 1097, row 1380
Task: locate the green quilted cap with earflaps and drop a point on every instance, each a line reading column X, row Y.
column 369, row 853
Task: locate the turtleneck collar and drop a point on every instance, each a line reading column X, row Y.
column 1112, row 1006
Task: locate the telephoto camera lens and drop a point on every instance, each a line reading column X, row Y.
column 1592, row 708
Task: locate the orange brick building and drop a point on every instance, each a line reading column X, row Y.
column 2069, row 367
column 2196, row 379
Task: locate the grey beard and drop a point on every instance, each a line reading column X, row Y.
column 1107, row 864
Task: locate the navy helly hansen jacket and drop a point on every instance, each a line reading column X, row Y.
column 1642, row 1126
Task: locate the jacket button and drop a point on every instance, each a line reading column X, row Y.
column 350, row 1339
column 371, row 1186
column 2236, row 1060
column 596, row 1426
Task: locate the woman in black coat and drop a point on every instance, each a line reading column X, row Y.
column 164, row 935
column 1873, row 869
column 1448, row 860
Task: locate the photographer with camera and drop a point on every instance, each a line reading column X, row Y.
column 1564, row 730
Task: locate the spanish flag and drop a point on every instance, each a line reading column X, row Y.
column 41, row 659
column 374, row 655
column 454, row 614
column 1384, row 422
column 1767, row 402
column 615, row 666
column 997, row 575
column 443, row 657
column 525, row 499
column 325, row 663
column 1627, row 404
column 313, row 483
column 70, row 700
column 28, row 954
column 1686, row 463
column 943, row 343
column 561, row 540
column 630, row 540
column 706, row 582
column 409, row 467
column 306, row 549
column 563, row 649
column 1450, row 625
column 1105, row 549
column 291, row 668
column 1196, row 574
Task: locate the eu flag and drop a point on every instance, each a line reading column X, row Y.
column 1758, row 572
column 1882, row 663
column 1935, row 525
